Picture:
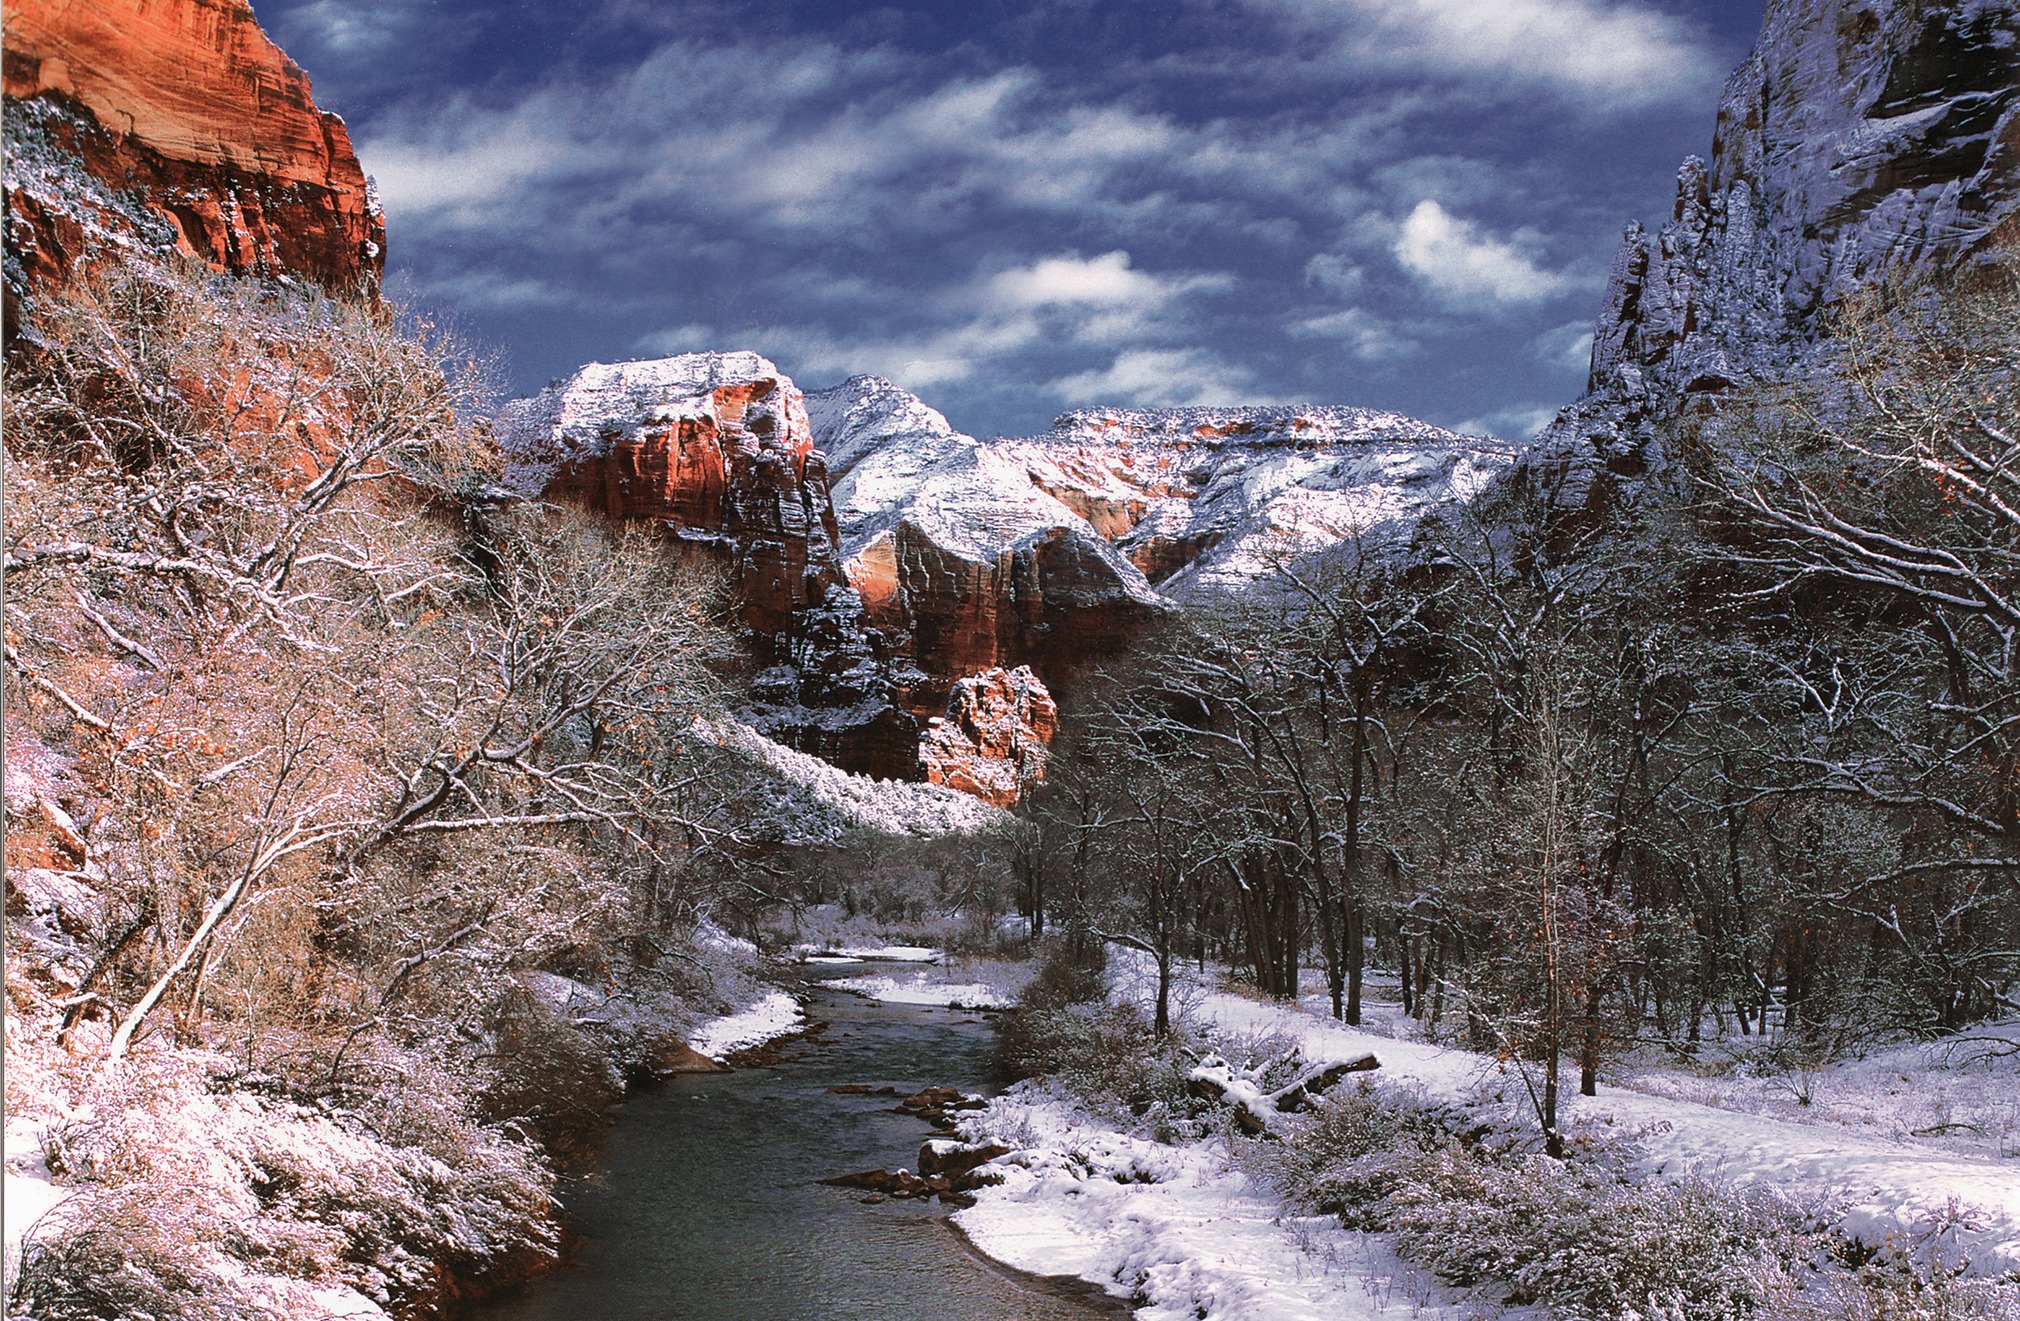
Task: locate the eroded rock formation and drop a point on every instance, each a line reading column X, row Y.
column 1861, row 138
column 1050, row 550
column 960, row 558
column 715, row 448
column 174, row 123
column 1207, row 499
column 992, row 742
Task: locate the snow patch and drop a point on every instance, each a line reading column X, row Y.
column 771, row 1017
column 919, row 990
column 812, row 802
column 1890, row 1186
column 1176, row 1229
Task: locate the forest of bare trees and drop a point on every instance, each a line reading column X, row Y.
column 1737, row 759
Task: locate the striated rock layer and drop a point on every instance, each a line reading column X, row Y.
column 162, row 123
column 1861, row 137
column 895, row 572
column 963, row 561
column 1050, row 550
column 715, row 448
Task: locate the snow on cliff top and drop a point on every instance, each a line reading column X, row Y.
column 573, row 416
column 1248, row 425
column 1237, row 488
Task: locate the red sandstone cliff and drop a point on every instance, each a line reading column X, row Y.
column 993, row 741
column 174, row 123
column 716, row 449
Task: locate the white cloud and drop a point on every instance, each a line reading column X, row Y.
column 342, row 27
column 462, row 175
column 1099, row 300
column 1335, row 274
column 1104, row 281
column 1606, row 55
column 1454, row 258
column 1365, row 335
column 1568, row 346
column 984, row 324
column 956, row 225
column 1515, row 422
column 1167, row 377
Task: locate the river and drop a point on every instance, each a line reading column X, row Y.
column 705, row 1206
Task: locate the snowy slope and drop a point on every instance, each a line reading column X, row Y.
column 1193, row 497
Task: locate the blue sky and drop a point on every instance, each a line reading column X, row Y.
column 1014, row 209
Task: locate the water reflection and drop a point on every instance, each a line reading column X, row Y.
column 707, row 1205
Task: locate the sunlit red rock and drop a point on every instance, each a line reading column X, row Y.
column 175, row 124
column 992, row 742
column 715, row 448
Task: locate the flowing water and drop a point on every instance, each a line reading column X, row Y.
column 706, row 1204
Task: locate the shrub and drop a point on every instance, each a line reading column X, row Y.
column 1069, row 973
column 1590, row 1246
column 1914, row 1277
column 1063, row 1029
column 1350, row 1153
column 188, row 1183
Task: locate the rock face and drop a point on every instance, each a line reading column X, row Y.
column 1049, row 550
column 1861, row 137
column 174, row 123
column 963, row 561
column 895, row 572
column 715, row 448
column 1208, row 499
column 992, row 742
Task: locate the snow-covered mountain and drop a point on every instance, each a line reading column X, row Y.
column 1148, row 506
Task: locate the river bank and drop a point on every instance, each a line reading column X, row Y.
column 704, row 1201
column 1184, row 1223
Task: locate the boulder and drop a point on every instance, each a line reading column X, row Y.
column 956, row 1160
column 993, row 740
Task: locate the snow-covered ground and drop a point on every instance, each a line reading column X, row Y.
column 1960, row 1093
column 29, row 1192
column 774, row 1015
column 1187, row 1234
column 919, row 989
column 1888, row 1184
column 957, row 983
column 890, row 953
column 1177, row 1229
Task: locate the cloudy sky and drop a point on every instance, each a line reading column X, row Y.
column 1017, row 208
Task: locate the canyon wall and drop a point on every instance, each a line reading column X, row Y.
column 715, row 449
column 163, row 124
column 899, row 577
column 1862, row 139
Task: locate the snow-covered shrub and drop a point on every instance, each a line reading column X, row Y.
column 1103, row 1053
column 547, row 1074
column 1350, row 1153
column 1062, row 1028
column 1914, row 1277
column 117, row 1254
column 1573, row 1236
column 189, row 1181
column 1067, row 974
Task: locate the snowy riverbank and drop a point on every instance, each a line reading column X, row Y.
column 1186, row 1232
